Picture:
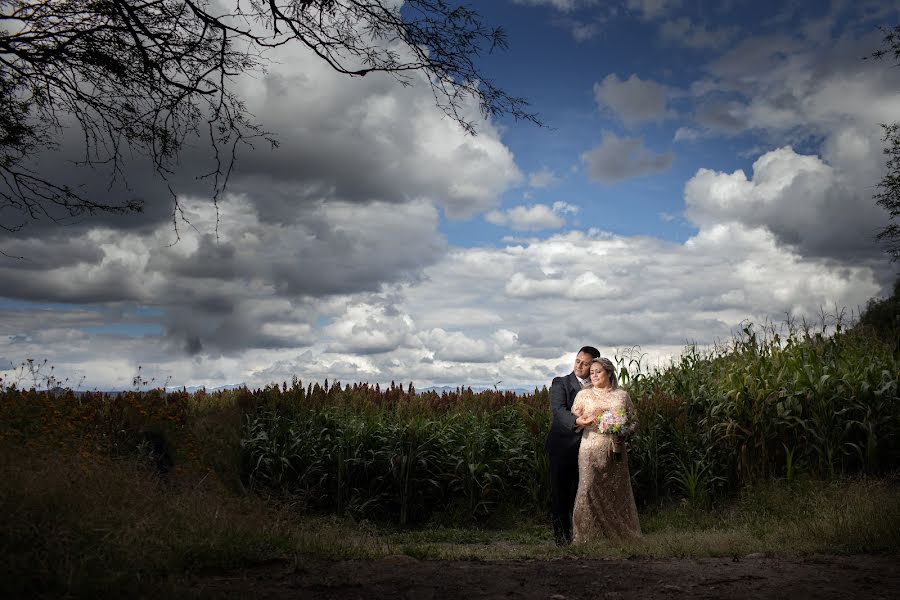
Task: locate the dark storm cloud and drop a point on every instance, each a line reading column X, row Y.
column 77, row 284
column 345, row 205
column 194, row 331
column 35, row 254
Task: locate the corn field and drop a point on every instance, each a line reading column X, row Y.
column 788, row 404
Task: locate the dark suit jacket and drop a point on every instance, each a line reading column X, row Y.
column 563, row 439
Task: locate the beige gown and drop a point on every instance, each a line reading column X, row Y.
column 604, row 504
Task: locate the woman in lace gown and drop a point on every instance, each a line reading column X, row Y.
column 604, row 504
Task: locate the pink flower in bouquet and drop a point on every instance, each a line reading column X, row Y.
column 614, row 422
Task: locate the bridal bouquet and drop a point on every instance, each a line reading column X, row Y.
column 615, row 423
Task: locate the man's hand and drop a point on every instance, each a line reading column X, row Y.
column 584, row 421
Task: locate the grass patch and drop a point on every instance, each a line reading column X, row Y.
column 79, row 526
column 75, row 525
column 779, row 519
column 776, row 519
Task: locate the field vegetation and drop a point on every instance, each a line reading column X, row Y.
column 786, row 440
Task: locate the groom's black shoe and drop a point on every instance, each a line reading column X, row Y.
column 561, row 534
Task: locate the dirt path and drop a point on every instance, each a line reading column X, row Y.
column 403, row 578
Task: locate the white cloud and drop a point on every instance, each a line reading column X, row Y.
column 800, row 198
column 686, row 134
column 633, row 100
column 543, row 178
column 454, row 346
column 367, row 328
column 815, row 92
column 565, row 208
column 530, row 218
column 618, row 158
column 329, row 262
column 224, row 294
column 513, row 313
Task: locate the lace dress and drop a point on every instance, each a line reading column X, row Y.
column 604, row 504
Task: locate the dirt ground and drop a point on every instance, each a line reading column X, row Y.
column 404, row 578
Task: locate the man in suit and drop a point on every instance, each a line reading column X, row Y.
column 563, row 442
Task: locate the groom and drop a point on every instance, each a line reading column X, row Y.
column 563, row 443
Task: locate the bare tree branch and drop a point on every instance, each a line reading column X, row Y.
column 888, row 195
column 146, row 75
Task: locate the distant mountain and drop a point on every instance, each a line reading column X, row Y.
column 191, row 389
column 476, row 388
column 197, row 388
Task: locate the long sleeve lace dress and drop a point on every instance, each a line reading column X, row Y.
column 604, row 504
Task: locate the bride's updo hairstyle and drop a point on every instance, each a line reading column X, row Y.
column 610, row 370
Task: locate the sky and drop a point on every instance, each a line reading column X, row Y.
column 702, row 165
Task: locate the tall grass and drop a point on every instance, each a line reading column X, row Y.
column 396, row 463
column 772, row 404
column 769, row 405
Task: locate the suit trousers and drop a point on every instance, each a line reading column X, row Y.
column 563, row 488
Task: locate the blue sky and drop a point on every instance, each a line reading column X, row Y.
column 702, row 164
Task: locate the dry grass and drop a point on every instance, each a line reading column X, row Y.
column 79, row 526
column 89, row 526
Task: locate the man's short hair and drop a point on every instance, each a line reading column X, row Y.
column 590, row 350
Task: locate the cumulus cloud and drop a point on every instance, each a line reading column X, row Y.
column 457, row 347
column 618, row 158
column 580, row 286
column 348, row 203
column 370, row 139
column 367, row 328
column 543, row 178
column 226, row 293
column 789, row 87
column 530, row 218
column 565, row 208
column 802, row 200
column 327, row 261
column 791, row 90
column 513, row 313
column 633, row 100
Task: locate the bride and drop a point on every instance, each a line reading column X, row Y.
column 604, row 503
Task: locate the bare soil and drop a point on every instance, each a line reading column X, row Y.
column 401, row 577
